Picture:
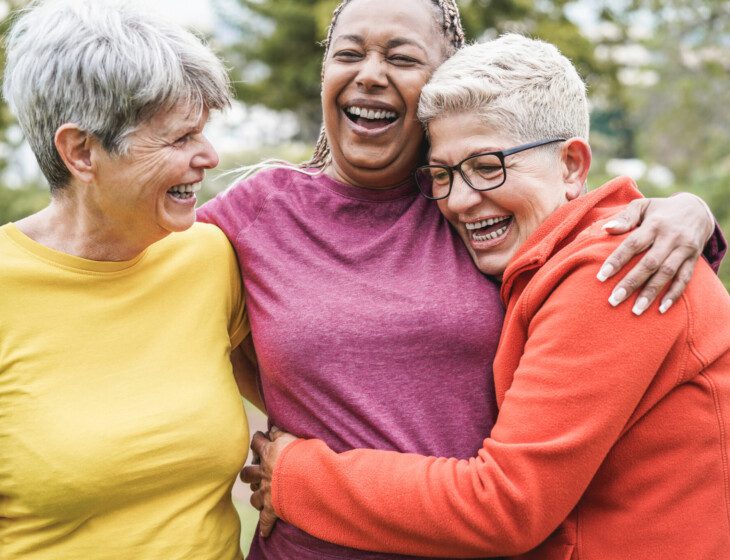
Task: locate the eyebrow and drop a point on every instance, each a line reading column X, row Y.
column 437, row 161
column 392, row 44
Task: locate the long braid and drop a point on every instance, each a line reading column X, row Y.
column 449, row 18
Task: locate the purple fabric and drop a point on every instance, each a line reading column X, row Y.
column 715, row 249
column 371, row 324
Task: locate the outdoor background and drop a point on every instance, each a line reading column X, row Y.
column 658, row 73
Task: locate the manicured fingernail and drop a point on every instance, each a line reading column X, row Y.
column 666, row 304
column 605, row 272
column 640, row 306
column 611, row 224
column 617, row 297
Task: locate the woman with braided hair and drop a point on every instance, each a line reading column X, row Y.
column 372, row 326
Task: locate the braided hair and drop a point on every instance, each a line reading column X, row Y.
column 448, row 17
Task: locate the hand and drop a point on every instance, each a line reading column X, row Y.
column 674, row 230
column 259, row 475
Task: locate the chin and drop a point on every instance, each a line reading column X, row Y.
column 178, row 224
column 491, row 264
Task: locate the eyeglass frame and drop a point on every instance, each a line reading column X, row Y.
column 501, row 154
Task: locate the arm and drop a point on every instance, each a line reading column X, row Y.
column 673, row 232
column 555, row 427
column 245, row 370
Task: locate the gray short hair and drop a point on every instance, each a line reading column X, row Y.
column 521, row 86
column 106, row 66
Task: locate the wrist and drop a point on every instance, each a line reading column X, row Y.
column 710, row 215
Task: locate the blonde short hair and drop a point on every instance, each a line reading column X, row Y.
column 521, row 86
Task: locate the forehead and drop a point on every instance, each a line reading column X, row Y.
column 180, row 117
column 457, row 135
column 390, row 19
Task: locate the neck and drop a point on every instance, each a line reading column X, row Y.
column 374, row 179
column 84, row 232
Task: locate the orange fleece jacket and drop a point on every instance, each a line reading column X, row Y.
column 612, row 437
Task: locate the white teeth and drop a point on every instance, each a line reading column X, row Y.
column 370, row 113
column 485, row 223
column 488, row 236
column 182, row 189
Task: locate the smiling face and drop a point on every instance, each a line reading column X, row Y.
column 382, row 54
column 150, row 190
column 494, row 224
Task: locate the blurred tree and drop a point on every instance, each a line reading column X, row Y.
column 14, row 203
column 680, row 112
column 277, row 62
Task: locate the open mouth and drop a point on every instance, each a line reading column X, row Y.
column 370, row 118
column 184, row 192
column 489, row 229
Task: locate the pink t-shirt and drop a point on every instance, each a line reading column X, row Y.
column 371, row 324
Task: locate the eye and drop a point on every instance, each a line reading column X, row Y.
column 440, row 176
column 182, row 140
column 487, row 166
column 347, row 55
column 402, row 60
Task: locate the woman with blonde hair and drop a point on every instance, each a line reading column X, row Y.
column 612, row 439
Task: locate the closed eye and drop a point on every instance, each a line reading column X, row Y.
column 402, row 60
column 347, row 55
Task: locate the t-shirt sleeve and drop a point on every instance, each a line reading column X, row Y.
column 235, row 209
column 715, row 249
column 238, row 325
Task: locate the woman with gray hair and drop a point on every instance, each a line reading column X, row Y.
column 611, row 440
column 121, row 426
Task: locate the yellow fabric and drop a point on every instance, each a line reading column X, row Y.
column 121, row 427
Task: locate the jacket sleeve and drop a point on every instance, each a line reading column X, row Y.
column 578, row 383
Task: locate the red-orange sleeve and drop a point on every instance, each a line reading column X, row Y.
column 579, row 380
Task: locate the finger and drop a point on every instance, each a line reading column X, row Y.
column 659, row 280
column 267, row 520
column 628, row 218
column 251, row 474
column 257, row 500
column 258, row 443
column 684, row 274
column 275, row 433
column 634, row 244
column 638, row 275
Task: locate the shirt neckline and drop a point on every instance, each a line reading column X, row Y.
column 405, row 189
column 64, row 260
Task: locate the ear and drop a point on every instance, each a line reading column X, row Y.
column 575, row 161
column 74, row 145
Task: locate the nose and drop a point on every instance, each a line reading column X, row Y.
column 206, row 157
column 462, row 197
column 372, row 72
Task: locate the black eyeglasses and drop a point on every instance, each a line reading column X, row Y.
column 482, row 172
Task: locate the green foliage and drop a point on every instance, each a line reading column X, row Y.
column 18, row 203
column 280, row 66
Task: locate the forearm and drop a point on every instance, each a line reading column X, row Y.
column 419, row 505
column 245, row 371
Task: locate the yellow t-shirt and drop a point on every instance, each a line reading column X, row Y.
column 121, row 427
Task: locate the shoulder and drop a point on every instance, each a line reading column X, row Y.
column 237, row 208
column 201, row 241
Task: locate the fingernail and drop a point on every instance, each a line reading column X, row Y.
column 617, row 297
column 640, row 306
column 605, row 272
column 666, row 304
column 611, row 224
